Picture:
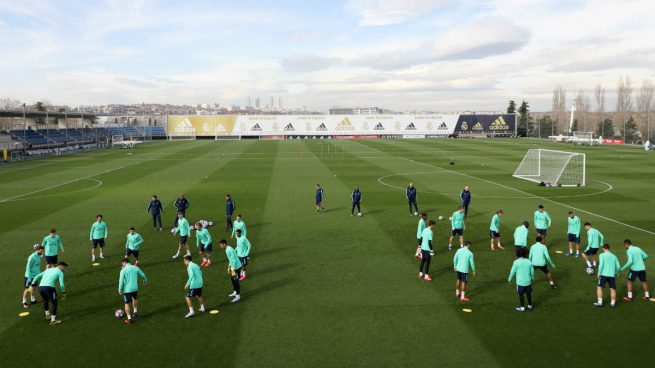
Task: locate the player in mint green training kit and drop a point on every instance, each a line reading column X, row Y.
column 635, row 264
column 426, row 251
column 48, row 281
column 539, row 256
column 204, row 244
column 521, row 237
column 541, row 222
column 422, row 223
column 97, row 236
column 32, row 269
column 133, row 245
column 608, row 271
column 595, row 240
column 243, row 251
column 239, row 225
column 494, row 230
column 51, row 243
column 128, row 287
column 193, row 285
column 233, row 270
column 184, row 229
column 573, row 234
column 457, row 225
column 463, row 263
column 524, row 272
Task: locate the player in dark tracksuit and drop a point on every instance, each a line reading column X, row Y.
column 356, row 199
column 230, row 207
column 181, row 205
column 155, row 208
column 465, row 197
column 410, row 194
column 319, row 198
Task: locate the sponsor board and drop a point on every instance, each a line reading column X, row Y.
column 413, row 136
column 486, row 124
column 613, row 141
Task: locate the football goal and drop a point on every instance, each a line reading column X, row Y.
column 117, row 139
column 558, row 168
column 182, row 136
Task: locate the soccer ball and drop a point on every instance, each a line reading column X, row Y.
column 173, row 230
column 450, row 218
column 119, row 313
column 359, row 214
column 440, row 218
column 415, row 213
column 590, row 270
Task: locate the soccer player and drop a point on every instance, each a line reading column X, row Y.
column 356, row 197
column 183, row 228
column 181, row 204
column 32, row 269
column 128, row 287
column 410, row 194
column 494, row 230
column 230, row 207
column 243, row 251
column 574, row 234
column 521, row 237
column 594, row 240
column 239, row 224
column 204, row 243
column 97, row 236
column 51, row 243
column 462, row 262
column 133, row 245
column 319, row 198
column 193, row 286
column 635, row 263
column 465, row 198
column 48, row 280
column 156, row 209
column 419, row 233
column 426, row 251
column 541, row 222
column 539, row 256
column 233, row 269
column 608, row 270
column 524, row 272
column 457, row 225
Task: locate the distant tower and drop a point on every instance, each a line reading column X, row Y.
column 249, row 102
column 279, row 102
column 272, row 102
column 258, row 103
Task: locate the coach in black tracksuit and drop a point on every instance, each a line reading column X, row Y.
column 465, row 197
column 410, row 194
column 155, row 208
column 181, row 205
column 356, row 199
column 230, row 207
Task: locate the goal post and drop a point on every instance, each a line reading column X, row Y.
column 567, row 169
column 117, row 139
column 583, row 138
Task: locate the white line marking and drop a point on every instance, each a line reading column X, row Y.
column 98, row 184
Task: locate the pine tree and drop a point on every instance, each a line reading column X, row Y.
column 524, row 109
column 605, row 129
column 511, row 109
column 574, row 128
column 630, row 133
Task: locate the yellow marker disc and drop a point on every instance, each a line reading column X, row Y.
column 214, row 311
column 23, row 314
column 95, row 264
column 559, row 252
column 467, row 310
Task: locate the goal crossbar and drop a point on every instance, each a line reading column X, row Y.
column 554, row 167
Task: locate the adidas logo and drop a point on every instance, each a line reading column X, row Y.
column 289, row 128
column 185, row 126
column 443, row 126
column 499, row 124
column 321, row 128
column 379, row 126
column 345, row 124
column 411, row 126
column 256, row 128
column 477, row 126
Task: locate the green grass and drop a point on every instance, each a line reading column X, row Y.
column 328, row 289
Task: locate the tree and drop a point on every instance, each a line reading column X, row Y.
column 605, row 129
column 559, row 105
column 600, row 102
column 40, row 106
column 10, row 104
column 624, row 99
column 523, row 123
column 546, row 126
column 582, row 107
column 574, row 128
column 511, row 109
column 645, row 103
column 630, row 131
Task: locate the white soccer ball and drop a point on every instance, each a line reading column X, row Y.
column 119, row 313
column 450, row 218
column 440, row 218
column 173, row 230
column 359, row 214
column 415, row 213
column 590, row 270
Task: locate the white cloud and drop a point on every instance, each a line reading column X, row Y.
column 388, row 12
column 308, row 63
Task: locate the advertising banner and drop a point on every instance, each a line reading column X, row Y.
column 487, row 124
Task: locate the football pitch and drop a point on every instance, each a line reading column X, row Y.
column 328, row 289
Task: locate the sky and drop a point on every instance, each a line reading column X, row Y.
column 401, row 55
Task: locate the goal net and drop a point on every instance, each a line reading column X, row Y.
column 182, row 136
column 116, row 140
column 584, row 138
column 553, row 167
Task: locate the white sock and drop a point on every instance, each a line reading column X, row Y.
column 129, row 317
column 630, row 294
column 47, row 314
column 570, row 251
column 456, row 292
column 588, row 263
column 32, row 298
column 135, row 311
column 600, row 301
column 450, row 245
column 204, row 259
column 178, row 253
column 202, row 307
column 647, row 294
column 191, row 310
column 613, row 302
column 594, row 263
column 463, row 292
column 552, row 283
column 53, row 318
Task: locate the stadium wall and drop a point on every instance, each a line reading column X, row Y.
column 342, row 126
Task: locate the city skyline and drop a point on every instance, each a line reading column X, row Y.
column 402, row 55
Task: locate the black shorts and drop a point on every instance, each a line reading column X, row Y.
column 607, row 280
column 542, row 231
column 420, row 241
column 425, row 254
column 591, row 251
column 524, row 289
column 494, row 234
column 463, row 277
column 48, row 293
column 27, row 282
column 206, row 248
column 244, row 261
column 128, row 297
column 98, row 243
column 574, row 239
column 194, row 292
column 183, row 239
column 129, row 252
column 543, row 268
column 318, row 202
column 51, row 259
column 632, row 275
column 456, row 232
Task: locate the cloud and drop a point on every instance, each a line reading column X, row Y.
column 388, row 12
column 308, row 63
column 136, row 83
